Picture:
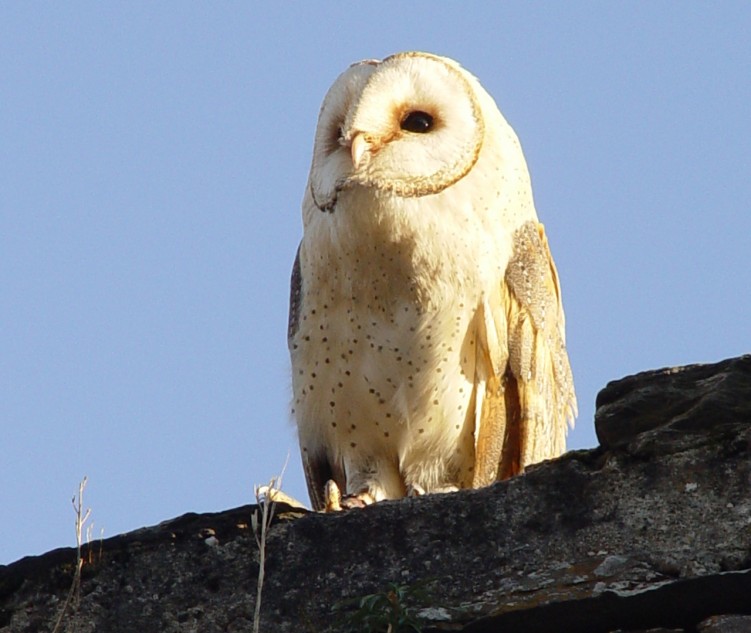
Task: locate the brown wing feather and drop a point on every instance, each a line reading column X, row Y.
column 528, row 390
column 537, row 352
column 498, row 442
column 490, row 434
column 513, row 446
column 295, row 297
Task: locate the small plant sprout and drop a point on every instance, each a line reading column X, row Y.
column 385, row 612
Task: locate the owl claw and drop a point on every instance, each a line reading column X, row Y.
column 415, row 490
column 332, row 497
column 360, row 500
column 335, row 502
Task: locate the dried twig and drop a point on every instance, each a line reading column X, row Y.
column 74, row 595
column 266, row 496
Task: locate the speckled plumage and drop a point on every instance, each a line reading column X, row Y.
column 426, row 327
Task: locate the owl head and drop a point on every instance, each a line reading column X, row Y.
column 409, row 126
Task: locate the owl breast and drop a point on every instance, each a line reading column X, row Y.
column 385, row 352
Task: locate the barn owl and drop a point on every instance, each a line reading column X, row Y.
column 426, row 328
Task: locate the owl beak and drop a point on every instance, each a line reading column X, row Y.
column 360, row 149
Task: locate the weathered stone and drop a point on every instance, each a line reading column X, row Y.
column 660, row 630
column 651, row 405
column 650, row 531
column 726, row 624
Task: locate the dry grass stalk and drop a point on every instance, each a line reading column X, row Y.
column 266, row 497
column 74, row 595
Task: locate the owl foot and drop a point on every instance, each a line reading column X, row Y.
column 416, row 490
column 335, row 502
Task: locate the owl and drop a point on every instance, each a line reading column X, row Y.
column 426, row 328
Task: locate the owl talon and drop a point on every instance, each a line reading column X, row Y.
column 447, row 488
column 415, row 490
column 332, row 497
column 335, row 502
column 360, row 500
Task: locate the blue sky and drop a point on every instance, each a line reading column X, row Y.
column 152, row 162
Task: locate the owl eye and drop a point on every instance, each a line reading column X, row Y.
column 417, row 121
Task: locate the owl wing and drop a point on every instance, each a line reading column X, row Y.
column 527, row 395
column 318, row 468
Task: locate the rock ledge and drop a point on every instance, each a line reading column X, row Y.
column 649, row 531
